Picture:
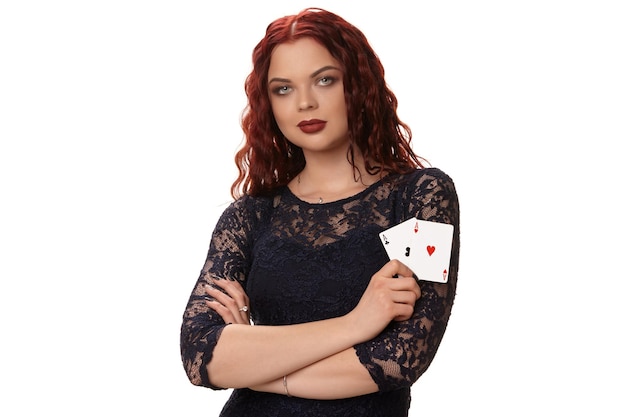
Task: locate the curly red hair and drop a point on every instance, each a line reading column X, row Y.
column 267, row 160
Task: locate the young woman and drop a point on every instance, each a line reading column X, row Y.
column 338, row 328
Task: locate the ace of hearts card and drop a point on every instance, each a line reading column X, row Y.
column 424, row 246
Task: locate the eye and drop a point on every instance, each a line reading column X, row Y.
column 282, row 90
column 326, row 80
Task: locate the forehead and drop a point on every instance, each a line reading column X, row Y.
column 301, row 57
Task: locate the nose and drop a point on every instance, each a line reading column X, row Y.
column 306, row 100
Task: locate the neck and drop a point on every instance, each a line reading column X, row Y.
column 326, row 179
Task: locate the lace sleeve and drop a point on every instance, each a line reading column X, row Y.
column 404, row 350
column 228, row 258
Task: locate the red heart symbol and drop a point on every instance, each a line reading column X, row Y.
column 430, row 250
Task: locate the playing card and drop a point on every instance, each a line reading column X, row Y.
column 423, row 246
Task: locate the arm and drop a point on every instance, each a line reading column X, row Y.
column 274, row 351
column 401, row 354
column 219, row 355
column 338, row 376
column 228, row 258
column 415, row 337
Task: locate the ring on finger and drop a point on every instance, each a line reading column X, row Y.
column 244, row 309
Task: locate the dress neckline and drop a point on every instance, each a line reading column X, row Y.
column 290, row 194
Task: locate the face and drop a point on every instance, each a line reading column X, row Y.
column 306, row 94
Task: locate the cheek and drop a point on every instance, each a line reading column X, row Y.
column 338, row 103
column 281, row 117
column 278, row 109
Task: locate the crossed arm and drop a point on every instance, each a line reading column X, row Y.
column 385, row 342
column 318, row 357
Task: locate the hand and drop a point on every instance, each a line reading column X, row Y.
column 233, row 305
column 390, row 295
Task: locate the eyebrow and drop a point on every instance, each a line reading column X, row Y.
column 315, row 74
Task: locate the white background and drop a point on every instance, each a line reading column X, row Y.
column 118, row 124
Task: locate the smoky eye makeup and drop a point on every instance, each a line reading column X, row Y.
column 280, row 90
column 323, row 77
column 325, row 80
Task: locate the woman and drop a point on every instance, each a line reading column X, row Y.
column 339, row 329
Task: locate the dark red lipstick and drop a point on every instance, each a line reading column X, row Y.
column 312, row 126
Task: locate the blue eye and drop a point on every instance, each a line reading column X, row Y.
column 326, row 80
column 282, row 90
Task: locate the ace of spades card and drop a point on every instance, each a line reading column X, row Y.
column 423, row 246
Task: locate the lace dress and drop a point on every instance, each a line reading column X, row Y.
column 301, row 262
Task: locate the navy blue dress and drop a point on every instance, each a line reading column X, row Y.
column 302, row 262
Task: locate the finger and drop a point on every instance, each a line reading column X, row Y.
column 395, row 267
column 404, row 312
column 217, row 294
column 235, row 291
column 238, row 306
column 404, row 297
column 222, row 311
column 228, row 283
column 224, row 299
column 405, row 284
column 244, row 312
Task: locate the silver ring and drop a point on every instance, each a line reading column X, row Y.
column 244, row 309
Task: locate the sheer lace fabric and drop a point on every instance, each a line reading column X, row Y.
column 302, row 262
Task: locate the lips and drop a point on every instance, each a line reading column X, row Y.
column 312, row 126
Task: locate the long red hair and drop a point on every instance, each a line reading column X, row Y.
column 267, row 160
